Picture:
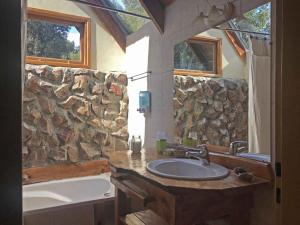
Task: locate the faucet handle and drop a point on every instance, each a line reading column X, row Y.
column 202, row 155
column 191, row 154
column 233, row 148
column 242, row 149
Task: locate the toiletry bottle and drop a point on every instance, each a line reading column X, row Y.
column 136, row 144
column 190, row 140
column 161, row 142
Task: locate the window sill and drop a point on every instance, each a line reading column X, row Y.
column 195, row 73
column 56, row 62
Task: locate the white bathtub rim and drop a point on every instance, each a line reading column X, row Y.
column 107, row 196
column 104, row 175
column 32, row 194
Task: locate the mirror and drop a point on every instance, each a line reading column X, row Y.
column 222, row 81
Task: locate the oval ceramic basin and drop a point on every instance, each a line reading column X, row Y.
column 187, row 169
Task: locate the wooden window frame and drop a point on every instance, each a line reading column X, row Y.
column 218, row 69
column 62, row 18
column 236, row 43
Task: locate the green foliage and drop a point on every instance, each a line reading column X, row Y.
column 75, row 54
column 50, row 40
column 260, row 18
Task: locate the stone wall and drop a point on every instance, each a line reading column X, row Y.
column 69, row 115
column 214, row 108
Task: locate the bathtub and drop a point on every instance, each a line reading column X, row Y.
column 54, row 195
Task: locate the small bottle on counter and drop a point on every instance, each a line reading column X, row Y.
column 191, row 140
column 161, row 142
column 136, row 144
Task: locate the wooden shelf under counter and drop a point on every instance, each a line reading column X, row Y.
column 146, row 217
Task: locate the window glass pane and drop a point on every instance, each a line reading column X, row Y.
column 131, row 23
column 258, row 20
column 53, row 40
column 195, row 55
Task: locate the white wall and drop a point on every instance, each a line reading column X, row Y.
column 106, row 54
column 136, row 63
column 181, row 23
column 233, row 66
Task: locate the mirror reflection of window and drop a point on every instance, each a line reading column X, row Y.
column 198, row 55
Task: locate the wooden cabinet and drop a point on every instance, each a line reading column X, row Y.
column 179, row 206
column 179, row 202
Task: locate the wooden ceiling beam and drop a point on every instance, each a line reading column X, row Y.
column 156, row 11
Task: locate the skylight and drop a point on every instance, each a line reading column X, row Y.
column 130, row 23
column 256, row 20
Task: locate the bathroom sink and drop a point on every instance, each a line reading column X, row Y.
column 186, row 169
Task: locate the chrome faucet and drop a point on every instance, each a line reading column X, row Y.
column 199, row 153
column 238, row 147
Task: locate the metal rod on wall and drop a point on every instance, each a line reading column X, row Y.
column 110, row 9
column 241, row 31
column 137, row 76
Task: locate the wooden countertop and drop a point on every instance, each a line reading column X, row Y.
column 127, row 162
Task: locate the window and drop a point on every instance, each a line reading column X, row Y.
column 198, row 56
column 130, row 23
column 257, row 19
column 57, row 39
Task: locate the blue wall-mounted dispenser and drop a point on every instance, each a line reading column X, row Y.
column 144, row 102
